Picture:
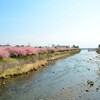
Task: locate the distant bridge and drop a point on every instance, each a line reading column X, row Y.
column 89, row 49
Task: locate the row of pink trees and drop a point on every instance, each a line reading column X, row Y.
column 9, row 51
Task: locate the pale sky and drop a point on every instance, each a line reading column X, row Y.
column 47, row 22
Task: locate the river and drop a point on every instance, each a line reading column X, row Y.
column 64, row 79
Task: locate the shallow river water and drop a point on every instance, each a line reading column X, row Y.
column 64, row 79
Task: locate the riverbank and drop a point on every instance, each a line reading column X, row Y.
column 98, row 50
column 26, row 68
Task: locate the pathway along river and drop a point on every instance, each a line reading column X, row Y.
column 72, row 78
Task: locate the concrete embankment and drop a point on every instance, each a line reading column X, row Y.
column 26, row 68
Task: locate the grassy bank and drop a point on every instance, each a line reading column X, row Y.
column 41, row 61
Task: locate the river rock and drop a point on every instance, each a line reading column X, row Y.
column 90, row 83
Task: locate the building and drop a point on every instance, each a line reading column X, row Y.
column 61, row 46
